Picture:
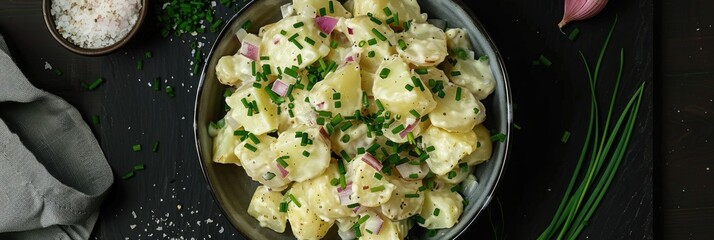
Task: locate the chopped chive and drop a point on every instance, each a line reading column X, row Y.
column 138, row 167
column 336, row 96
column 253, row 68
column 409, row 87
column 373, row 148
column 246, row 25
column 323, row 12
column 361, row 43
column 436, row 212
column 297, row 44
column 299, row 59
column 483, row 58
column 320, row 121
column 387, row 11
column 310, row 41
column 456, row 188
column 268, row 176
column 136, row 147
column 458, row 93
column 377, row 188
column 378, row 176
column 305, row 153
column 257, row 85
column 574, row 34
column 476, row 110
column 398, row 129
column 460, row 53
column 264, row 58
column 455, row 73
column 410, row 137
column 464, row 167
column 421, row 71
column 128, row 175
column 516, row 126
column 298, row 24
column 384, row 73
column 253, row 138
column 283, row 207
column 346, row 126
column 95, row 84
column 402, row 44
column 545, row 61
column 413, row 176
column 375, row 20
column 283, row 32
column 379, row 105
column 281, row 161
column 291, row 72
column 214, row 25
column 379, row 34
column 411, row 195
column 334, row 182
column 155, row 148
column 294, row 200
column 372, row 41
column 336, row 120
column 500, row 137
column 431, row 232
column 565, row 137
column 345, row 138
column 370, row 54
column 331, row 7
column 95, row 119
column 343, row 182
column 420, row 219
column 147, row 54
column 365, row 99
column 451, row 175
column 430, row 148
column 354, row 205
column 250, row 147
column 414, row 113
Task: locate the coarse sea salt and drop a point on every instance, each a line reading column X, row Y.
column 95, row 23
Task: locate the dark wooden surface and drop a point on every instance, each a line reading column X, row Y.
column 661, row 190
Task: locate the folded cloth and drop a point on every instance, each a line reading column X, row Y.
column 53, row 175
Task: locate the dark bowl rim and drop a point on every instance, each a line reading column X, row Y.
column 51, row 27
column 507, row 97
column 199, row 93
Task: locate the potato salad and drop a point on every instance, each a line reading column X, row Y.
column 364, row 116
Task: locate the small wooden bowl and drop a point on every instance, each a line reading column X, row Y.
column 50, row 23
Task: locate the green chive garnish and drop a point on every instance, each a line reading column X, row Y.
column 378, row 176
column 155, row 148
column 500, row 137
column 136, row 147
column 372, row 41
column 398, row 129
column 298, row 24
column 384, row 73
column 421, row 71
column 306, row 153
column 294, row 200
column 323, row 12
column 458, row 93
column 408, row 87
column 138, row 167
column 402, row 44
column 127, row 175
column 387, row 11
column 331, row 7
column 545, row 61
column 379, row 34
column 377, row 188
column 246, row 25
column 268, row 176
column 370, row 54
column 281, row 161
column 250, row 147
column 565, row 137
column 574, row 34
column 283, row 207
column 411, row 195
column 455, row 73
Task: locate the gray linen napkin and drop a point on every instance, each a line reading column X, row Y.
column 53, row 175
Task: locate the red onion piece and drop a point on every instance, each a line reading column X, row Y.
column 349, row 59
column 374, row 224
column 345, row 194
column 349, row 31
column 408, row 129
column 372, row 162
column 250, row 47
column 283, row 172
column 326, row 24
column 280, row 88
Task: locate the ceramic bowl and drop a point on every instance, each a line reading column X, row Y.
column 50, row 23
column 233, row 189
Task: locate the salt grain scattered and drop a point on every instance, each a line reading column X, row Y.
column 48, row 66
